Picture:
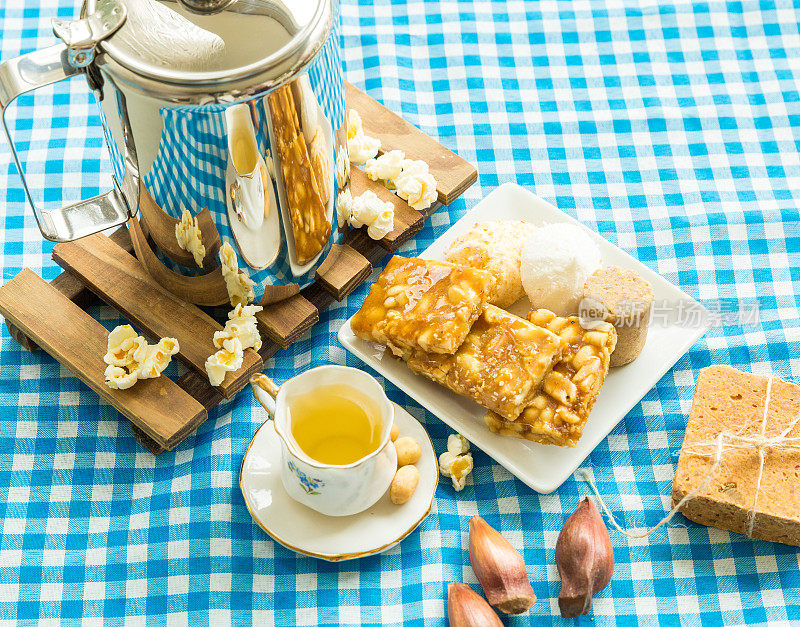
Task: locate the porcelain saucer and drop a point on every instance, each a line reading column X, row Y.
column 306, row 531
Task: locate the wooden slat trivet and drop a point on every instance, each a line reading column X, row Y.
column 121, row 281
column 158, row 406
column 284, row 322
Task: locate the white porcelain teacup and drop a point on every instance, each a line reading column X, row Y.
column 334, row 490
column 247, row 189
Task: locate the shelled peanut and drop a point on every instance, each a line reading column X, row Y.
column 406, row 478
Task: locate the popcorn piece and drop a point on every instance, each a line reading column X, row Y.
column 459, row 471
column 120, row 342
column 134, row 356
column 157, row 358
column 416, row 185
column 130, row 358
column 187, row 232
column 120, row 379
column 366, row 210
column 457, row 444
column 457, row 467
column 244, row 312
column 139, row 352
column 386, row 168
column 362, row 148
column 228, row 358
column 382, row 225
column 354, row 124
column 241, row 325
column 446, row 461
column 246, row 331
column 239, row 285
column 370, row 211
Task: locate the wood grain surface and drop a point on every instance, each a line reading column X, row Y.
column 285, row 321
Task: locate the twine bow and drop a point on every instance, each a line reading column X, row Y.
column 724, row 442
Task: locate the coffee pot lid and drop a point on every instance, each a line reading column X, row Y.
column 207, row 42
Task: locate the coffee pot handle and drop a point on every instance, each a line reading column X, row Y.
column 26, row 73
column 266, row 391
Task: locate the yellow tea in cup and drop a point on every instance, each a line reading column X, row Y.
column 335, row 424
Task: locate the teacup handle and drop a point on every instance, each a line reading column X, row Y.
column 265, row 390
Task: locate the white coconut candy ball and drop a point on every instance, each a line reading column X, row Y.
column 556, row 261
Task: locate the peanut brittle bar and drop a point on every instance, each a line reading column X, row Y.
column 310, row 225
column 419, row 304
column 559, row 410
column 500, row 365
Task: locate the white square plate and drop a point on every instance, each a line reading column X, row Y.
column 544, row 468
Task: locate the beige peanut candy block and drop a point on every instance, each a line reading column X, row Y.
column 560, row 409
column 500, row 365
column 419, row 304
column 624, row 299
column 726, row 399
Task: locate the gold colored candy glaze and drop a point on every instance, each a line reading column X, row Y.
column 559, row 410
column 500, row 365
column 422, row 305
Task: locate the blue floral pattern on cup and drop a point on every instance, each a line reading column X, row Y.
column 309, row 484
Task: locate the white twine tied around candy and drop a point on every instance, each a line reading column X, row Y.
column 724, row 442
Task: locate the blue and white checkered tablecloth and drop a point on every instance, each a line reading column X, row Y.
column 672, row 127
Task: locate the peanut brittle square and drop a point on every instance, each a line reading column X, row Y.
column 309, row 222
column 424, row 305
column 500, row 365
column 559, row 410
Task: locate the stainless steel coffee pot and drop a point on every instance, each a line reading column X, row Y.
column 230, row 110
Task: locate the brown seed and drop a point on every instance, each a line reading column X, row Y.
column 500, row 569
column 466, row 608
column 585, row 559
